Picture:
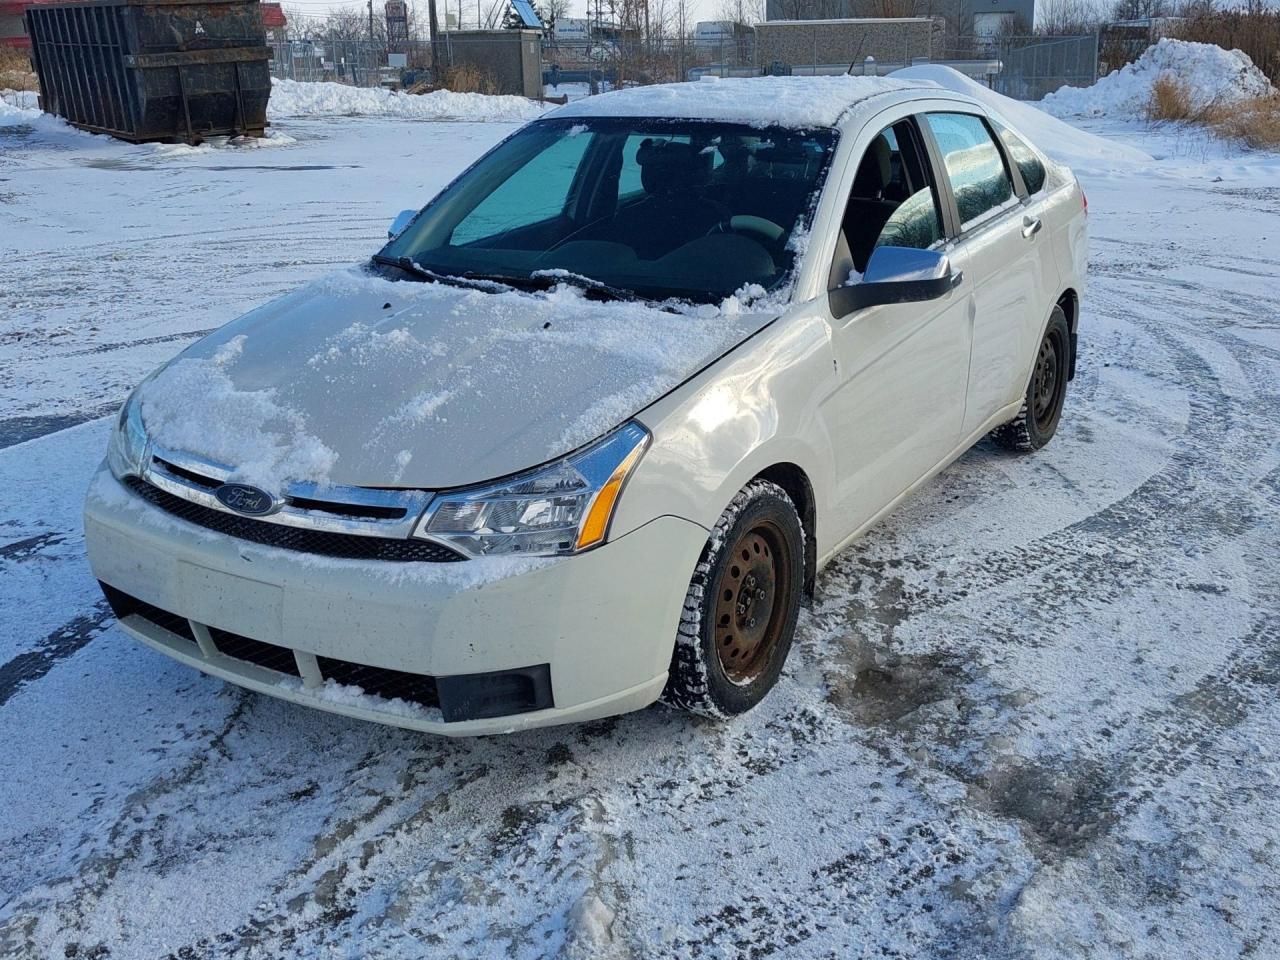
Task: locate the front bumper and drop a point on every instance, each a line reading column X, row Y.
column 603, row 622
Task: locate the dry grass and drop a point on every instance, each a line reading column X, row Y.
column 1254, row 123
column 15, row 70
column 463, row 78
column 1170, row 100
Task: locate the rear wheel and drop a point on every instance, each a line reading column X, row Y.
column 1037, row 421
column 741, row 609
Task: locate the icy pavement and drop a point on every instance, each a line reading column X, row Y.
column 1034, row 714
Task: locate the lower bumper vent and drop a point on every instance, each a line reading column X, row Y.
column 474, row 696
column 265, row 655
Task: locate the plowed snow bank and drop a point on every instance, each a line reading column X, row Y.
column 1211, row 74
column 293, row 98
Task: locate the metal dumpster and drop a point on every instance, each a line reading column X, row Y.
column 153, row 69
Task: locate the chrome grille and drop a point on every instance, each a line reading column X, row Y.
column 288, row 537
column 356, row 511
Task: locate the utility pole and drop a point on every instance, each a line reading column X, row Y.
column 435, row 39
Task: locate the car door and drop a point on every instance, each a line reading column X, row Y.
column 1038, row 219
column 1000, row 244
column 901, row 369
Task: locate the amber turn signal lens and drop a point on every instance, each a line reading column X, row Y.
column 596, row 524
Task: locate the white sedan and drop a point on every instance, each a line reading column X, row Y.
column 583, row 433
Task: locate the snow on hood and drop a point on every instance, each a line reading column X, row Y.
column 759, row 101
column 358, row 380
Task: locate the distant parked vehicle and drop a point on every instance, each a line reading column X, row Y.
column 585, row 430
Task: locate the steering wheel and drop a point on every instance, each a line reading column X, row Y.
column 765, row 232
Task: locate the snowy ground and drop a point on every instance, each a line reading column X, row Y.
column 1035, row 714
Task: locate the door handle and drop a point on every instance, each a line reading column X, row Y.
column 1030, row 227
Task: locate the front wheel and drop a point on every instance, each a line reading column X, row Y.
column 1037, row 421
column 740, row 612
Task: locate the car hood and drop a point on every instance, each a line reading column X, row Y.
column 359, row 380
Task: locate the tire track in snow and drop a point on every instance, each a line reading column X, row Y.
column 64, row 642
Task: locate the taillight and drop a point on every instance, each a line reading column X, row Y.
column 1085, row 199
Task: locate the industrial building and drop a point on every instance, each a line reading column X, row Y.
column 814, row 43
column 983, row 20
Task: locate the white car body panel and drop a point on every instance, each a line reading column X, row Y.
column 863, row 408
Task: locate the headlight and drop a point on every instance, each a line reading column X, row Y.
column 127, row 452
column 562, row 508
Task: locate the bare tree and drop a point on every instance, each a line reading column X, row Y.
column 1138, row 9
column 556, row 10
column 345, row 24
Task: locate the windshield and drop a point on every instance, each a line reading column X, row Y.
column 658, row 209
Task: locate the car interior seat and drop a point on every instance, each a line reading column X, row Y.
column 871, row 202
column 675, row 207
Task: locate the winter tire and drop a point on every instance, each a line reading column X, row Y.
column 740, row 612
column 1037, row 421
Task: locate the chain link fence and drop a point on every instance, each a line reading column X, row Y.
column 1033, row 67
column 1028, row 67
column 361, row 63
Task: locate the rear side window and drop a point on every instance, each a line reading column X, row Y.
column 974, row 165
column 1024, row 159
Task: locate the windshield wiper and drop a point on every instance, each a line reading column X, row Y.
column 467, row 281
column 588, row 284
column 539, row 280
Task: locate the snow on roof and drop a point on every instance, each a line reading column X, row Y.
column 760, row 101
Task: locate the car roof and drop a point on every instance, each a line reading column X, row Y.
column 758, row 101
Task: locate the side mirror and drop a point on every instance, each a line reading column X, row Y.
column 400, row 223
column 897, row 275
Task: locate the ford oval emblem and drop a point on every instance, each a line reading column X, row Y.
column 246, row 499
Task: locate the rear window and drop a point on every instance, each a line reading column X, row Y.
column 1024, row 158
column 974, row 165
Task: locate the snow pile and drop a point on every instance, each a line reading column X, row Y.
column 272, row 138
column 354, row 698
column 1212, row 76
column 761, row 101
column 294, row 98
column 1059, row 140
column 20, row 99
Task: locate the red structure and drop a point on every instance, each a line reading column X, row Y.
column 12, row 32
column 273, row 19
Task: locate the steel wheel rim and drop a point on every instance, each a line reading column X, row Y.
column 1045, row 382
column 752, row 596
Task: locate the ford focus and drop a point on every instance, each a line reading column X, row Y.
column 582, row 434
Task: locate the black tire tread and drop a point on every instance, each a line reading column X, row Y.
column 688, row 686
column 1017, row 435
